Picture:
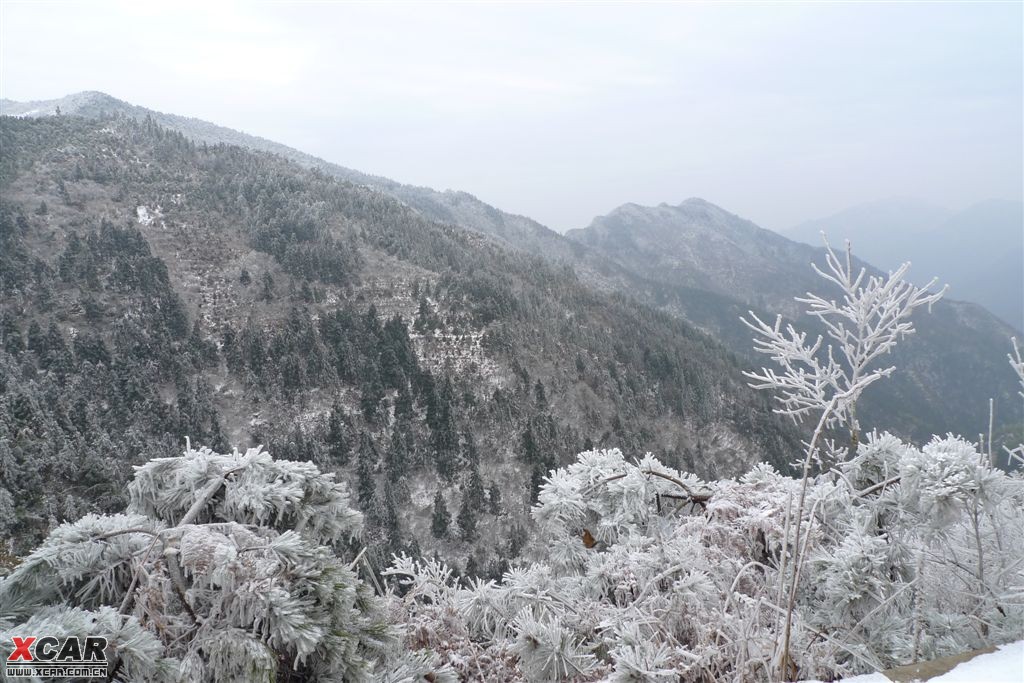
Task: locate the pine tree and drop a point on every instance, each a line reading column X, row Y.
column 466, row 519
column 440, row 520
column 444, row 437
column 528, row 446
column 371, row 390
column 36, row 340
column 366, row 486
column 540, row 396
column 494, row 499
column 10, row 335
column 397, row 454
column 391, row 521
column 267, row 293
column 474, row 488
column 469, row 452
column 337, row 437
column 158, row 583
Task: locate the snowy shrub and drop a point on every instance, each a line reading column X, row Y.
column 221, row 569
column 876, row 461
column 680, row 579
column 944, row 476
column 140, row 656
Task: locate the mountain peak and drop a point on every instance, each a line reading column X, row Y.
column 87, row 102
column 698, row 202
column 633, row 210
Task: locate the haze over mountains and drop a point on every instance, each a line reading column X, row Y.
column 701, row 263
column 978, row 250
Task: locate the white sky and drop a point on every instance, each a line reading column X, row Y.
column 563, row 111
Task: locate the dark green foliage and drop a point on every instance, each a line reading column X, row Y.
column 473, row 499
column 337, row 439
column 440, row 519
column 399, row 453
column 10, row 335
column 267, row 293
column 366, row 486
column 494, row 499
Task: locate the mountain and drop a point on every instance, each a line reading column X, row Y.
column 454, row 207
column 947, row 371
column 698, row 245
column 716, row 267
column 155, row 288
column 982, row 250
column 874, row 227
column 979, row 250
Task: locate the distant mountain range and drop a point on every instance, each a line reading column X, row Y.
column 979, row 250
column 708, row 266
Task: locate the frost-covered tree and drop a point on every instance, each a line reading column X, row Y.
column 1016, row 455
column 641, row 572
column 221, row 568
column 824, row 380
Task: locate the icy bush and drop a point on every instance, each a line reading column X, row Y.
column 643, row 573
column 221, row 569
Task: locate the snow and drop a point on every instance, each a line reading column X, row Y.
column 1005, row 665
column 147, row 218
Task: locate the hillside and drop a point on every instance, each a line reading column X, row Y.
column 154, row 289
column 459, row 208
column 948, row 370
column 716, row 267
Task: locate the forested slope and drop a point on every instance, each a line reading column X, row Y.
column 948, row 370
column 155, row 289
column 695, row 261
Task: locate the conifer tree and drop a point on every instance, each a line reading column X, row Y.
column 466, row 520
column 440, row 520
column 397, row 454
column 337, row 437
column 366, row 486
column 494, row 499
column 221, row 568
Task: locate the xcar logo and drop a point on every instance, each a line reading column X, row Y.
column 51, row 657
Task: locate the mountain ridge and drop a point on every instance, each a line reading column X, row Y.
column 754, row 268
column 156, row 289
column 698, row 245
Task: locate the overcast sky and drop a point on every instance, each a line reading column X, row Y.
column 563, row 112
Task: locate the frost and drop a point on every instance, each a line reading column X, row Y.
column 222, row 566
column 681, row 578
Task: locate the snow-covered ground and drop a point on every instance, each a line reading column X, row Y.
column 1005, row 665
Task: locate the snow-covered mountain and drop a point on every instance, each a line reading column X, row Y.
column 694, row 260
column 695, row 246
